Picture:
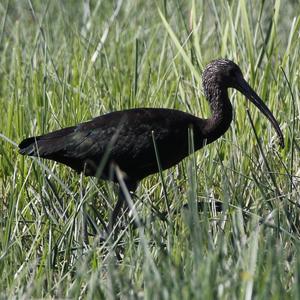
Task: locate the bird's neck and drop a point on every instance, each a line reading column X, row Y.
column 221, row 117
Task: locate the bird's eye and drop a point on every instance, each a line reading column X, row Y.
column 232, row 72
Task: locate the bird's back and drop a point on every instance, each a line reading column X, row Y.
column 123, row 137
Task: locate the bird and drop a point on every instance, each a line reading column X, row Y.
column 128, row 140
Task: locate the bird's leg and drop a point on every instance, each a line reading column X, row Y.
column 131, row 187
column 116, row 211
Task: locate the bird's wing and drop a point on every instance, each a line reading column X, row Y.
column 126, row 137
column 128, row 134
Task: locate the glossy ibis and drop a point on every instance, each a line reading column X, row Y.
column 125, row 138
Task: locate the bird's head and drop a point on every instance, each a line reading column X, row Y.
column 221, row 74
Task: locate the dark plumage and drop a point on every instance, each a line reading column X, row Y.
column 124, row 138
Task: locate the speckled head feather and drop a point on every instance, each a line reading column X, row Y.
column 220, row 74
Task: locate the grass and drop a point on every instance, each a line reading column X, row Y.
column 63, row 62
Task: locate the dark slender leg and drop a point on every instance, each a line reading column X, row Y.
column 131, row 186
column 116, row 211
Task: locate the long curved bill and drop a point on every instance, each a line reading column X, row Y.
column 245, row 89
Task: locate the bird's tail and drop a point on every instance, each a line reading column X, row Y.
column 29, row 146
column 46, row 145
